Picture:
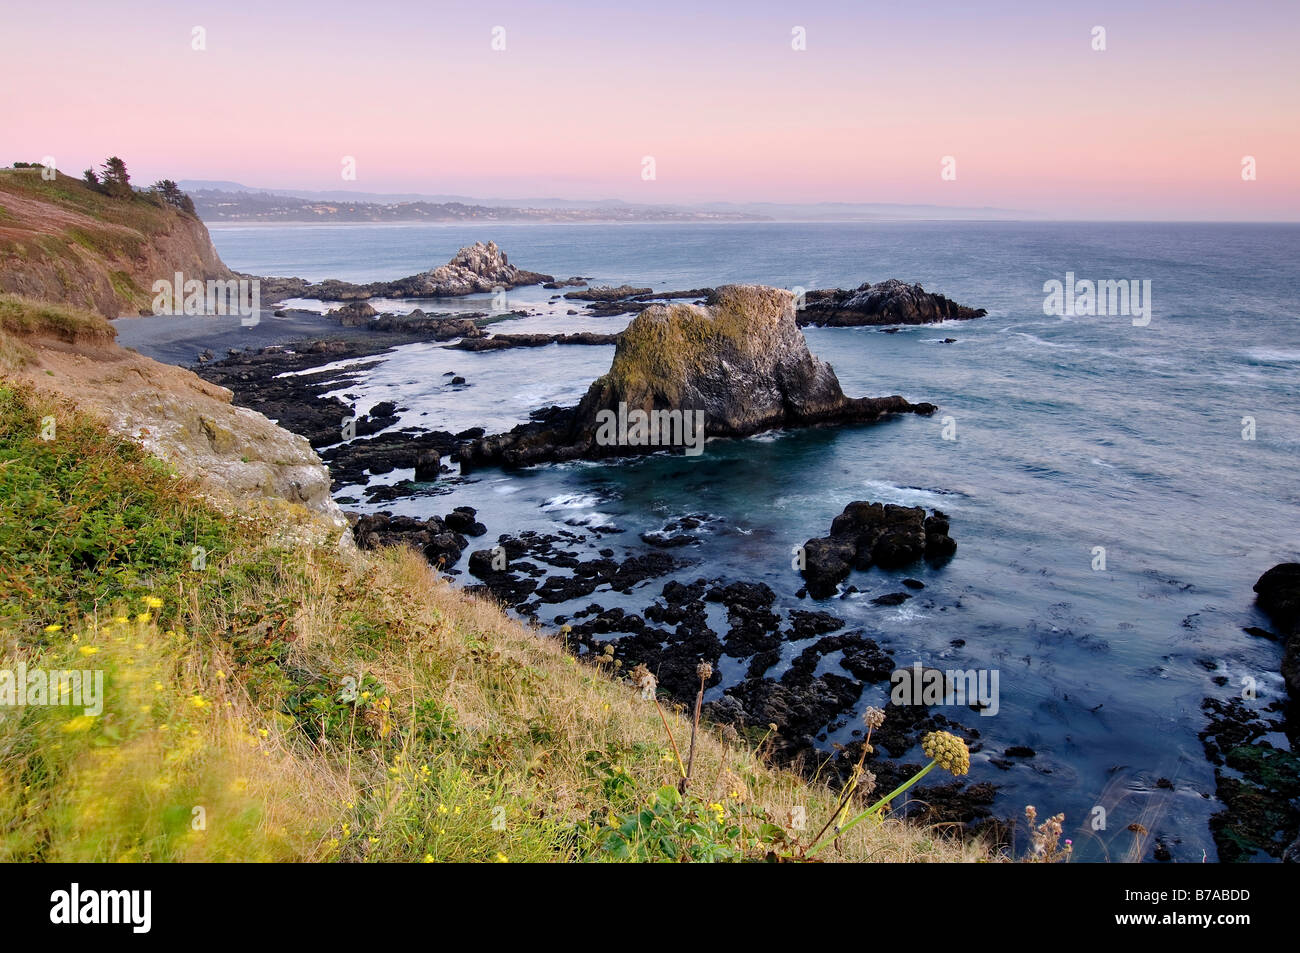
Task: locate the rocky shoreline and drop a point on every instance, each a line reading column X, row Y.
column 671, row 634
column 1257, row 781
column 783, row 386
column 475, row 269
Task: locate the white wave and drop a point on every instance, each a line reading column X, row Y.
column 1273, row 355
column 1038, row 340
column 572, row 501
column 883, row 492
column 590, row 519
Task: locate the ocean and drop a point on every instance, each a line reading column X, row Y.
column 1071, row 433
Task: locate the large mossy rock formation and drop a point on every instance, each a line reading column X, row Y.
column 740, row 360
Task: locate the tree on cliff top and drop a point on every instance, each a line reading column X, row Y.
column 171, row 193
column 115, row 179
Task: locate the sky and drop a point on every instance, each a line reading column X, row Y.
column 1011, row 100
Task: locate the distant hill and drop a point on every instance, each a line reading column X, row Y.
column 227, row 205
column 232, row 201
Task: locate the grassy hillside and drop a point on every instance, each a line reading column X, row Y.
column 310, row 703
column 62, row 241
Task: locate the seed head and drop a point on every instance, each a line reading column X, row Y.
column 704, row 670
column 645, row 682
column 949, row 751
column 873, row 718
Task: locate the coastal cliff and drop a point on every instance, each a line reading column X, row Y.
column 234, row 453
column 63, row 242
column 192, row 549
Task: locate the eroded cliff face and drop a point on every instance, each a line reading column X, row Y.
column 739, row 364
column 60, row 241
column 237, row 455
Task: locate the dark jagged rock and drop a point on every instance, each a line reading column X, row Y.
column 1257, row 782
column 753, row 624
column 874, row 534
column 698, row 293
column 887, row 302
column 440, row 545
column 353, row 462
column 433, row 327
column 428, row 464
column 1278, row 594
column 741, row 362
column 499, row 342
column 605, row 293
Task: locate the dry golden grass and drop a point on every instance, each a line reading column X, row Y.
column 321, row 703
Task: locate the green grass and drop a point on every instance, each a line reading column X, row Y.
column 307, row 703
column 140, row 212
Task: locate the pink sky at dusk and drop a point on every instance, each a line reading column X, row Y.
column 1155, row 126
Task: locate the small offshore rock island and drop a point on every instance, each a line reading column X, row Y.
column 739, row 360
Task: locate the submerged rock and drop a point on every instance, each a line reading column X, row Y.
column 500, row 342
column 886, row 302
column 734, row 367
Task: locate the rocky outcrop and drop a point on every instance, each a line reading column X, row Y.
column 605, row 293
column 1278, row 594
column 432, row 327
column 237, row 455
column 501, row 342
column 737, row 366
column 354, row 314
column 1257, row 780
column 441, row 540
column 62, row 242
column 874, row 534
column 475, row 269
column 887, row 302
